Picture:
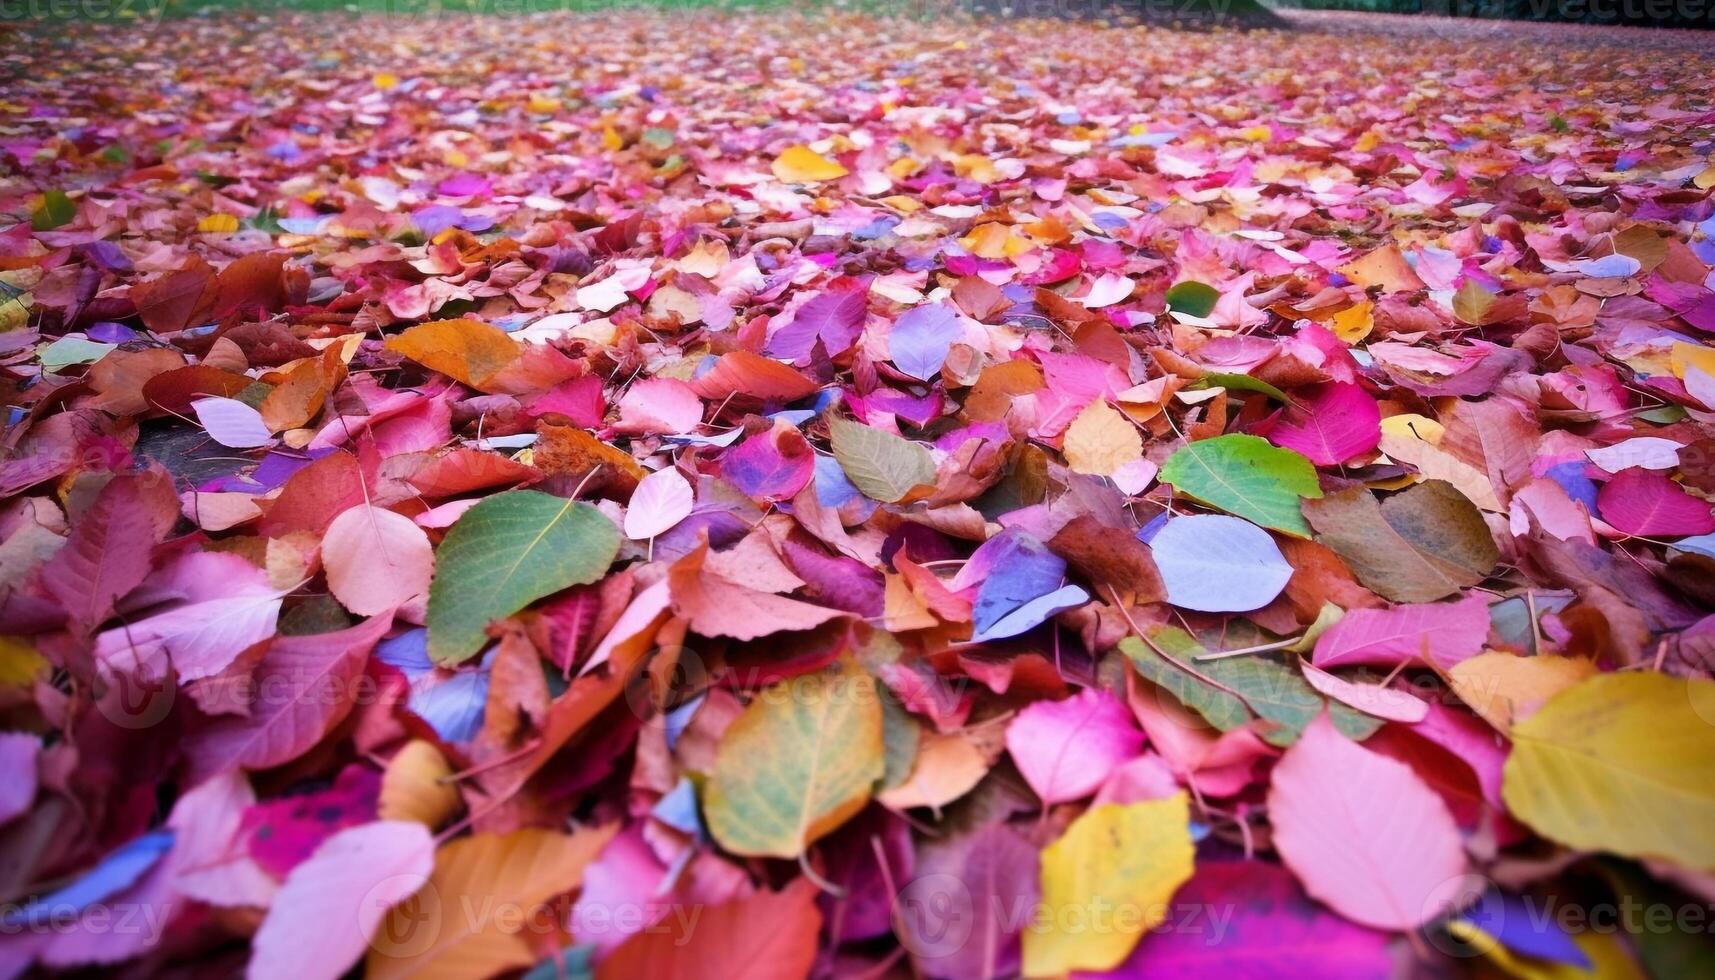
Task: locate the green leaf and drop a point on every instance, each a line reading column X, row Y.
column 800, row 761
column 1239, row 382
column 1232, row 687
column 1246, row 477
column 1193, row 298
column 55, row 210
column 1219, row 708
column 901, row 738
column 67, row 351
column 880, row 464
column 267, row 219
column 1665, row 415
column 506, row 553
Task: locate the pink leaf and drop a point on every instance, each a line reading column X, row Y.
column 1447, row 633
column 201, row 636
column 232, row 423
column 330, row 906
column 1473, row 741
column 1371, row 699
column 659, row 406
column 18, row 752
column 376, row 560
column 961, row 907
column 1065, row 749
column 644, row 612
column 108, row 551
column 1639, row 501
column 1363, row 832
column 304, row 685
column 1269, row 930
column 772, row 465
column 661, row 500
column 1332, row 423
column 212, row 866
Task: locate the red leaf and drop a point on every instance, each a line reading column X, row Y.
column 768, row 936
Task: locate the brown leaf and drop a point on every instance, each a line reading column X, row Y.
column 1417, row 546
column 1110, row 559
column 177, row 300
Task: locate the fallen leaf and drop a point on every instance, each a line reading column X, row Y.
column 1619, row 763
column 468, row 351
column 1064, row 749
column 1363, row 833
column 376, row 560
column 332, row 905
column 1246, row 477
column 474, row 913
column 800, row 761
column 1129, row 859
column 503, row 554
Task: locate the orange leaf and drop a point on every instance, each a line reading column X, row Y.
column 565, row 450
column 487, row 892
column 743, row 373
column 468, row 351
column 1385, row 267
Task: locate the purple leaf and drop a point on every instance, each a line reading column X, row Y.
column 920, row 338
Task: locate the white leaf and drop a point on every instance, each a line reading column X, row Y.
column 1216, row 563
column 661, row 500
column 232, row 423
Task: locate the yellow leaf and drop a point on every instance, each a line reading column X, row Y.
column 802, row 165
column 994, row 241
column 1413, row 426
column 1692, row 356
column 468, row 351
column 1705, row 179
column 1506, row 689
column 706, row 259
column 541, row 105
column 20, row 664
column 1101, row 440
column 797, row 763
column 1355, row 323
column 218, row 223
column 484, row 901
column 416, row 786
column 1472, row 303
column 611, row 140
column 384, row 80
column 1621, row 763
column 977, row 167
column 1106, row 882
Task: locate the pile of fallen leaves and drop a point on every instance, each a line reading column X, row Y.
column 696, row 496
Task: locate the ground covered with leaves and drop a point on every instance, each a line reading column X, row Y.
column 696, row 496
